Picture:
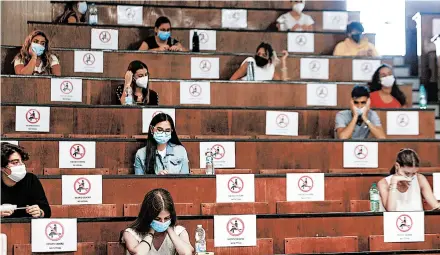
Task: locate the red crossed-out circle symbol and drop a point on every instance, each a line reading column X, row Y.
column 235, row 184
column 305, row 183
column 282, row 120
column 205, row 65
column 82, row 186
column 89, row 59
column 218, row 151
column 54, row 231
column 404, row 223
column 402, row 120
column 361, row 151
column 105, row 36
column 195, row 90
column 77, row 151
column 322, row 91
column 235, row 226
column 33, row 116
column 66, row 87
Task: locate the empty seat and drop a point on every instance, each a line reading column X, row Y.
column 83, row 211
column 301, row 245
column 310, row 206
column 432, row 241
column 235, row 208
column 83, row 248
column 288, row 171
column 132, row 210
column 76, row 171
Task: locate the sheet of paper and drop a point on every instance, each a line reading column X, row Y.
column 193, row 92
column 361, row 155
column 66, row 90
column 305, row 187
column 281, row 123
column 402, row 123
column 205, row 68
column 32, row 118
column 88, row 61
column 235, row 230
column 234, row 18
column 403, row 227
column 77, row 154
column 207, row 39
column 332, row 20
column 233, row 188
column 314, row 68
column 322, row 94
column 363, row 69
column 105, row 39
column 130, row 15
column 81, row 189
column 223, row 152
column 53, row 235
column 301, row 42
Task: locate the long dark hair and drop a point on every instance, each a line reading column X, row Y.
column 155, row 201
column 133, row 67
column 68, row 12
column 268, row 48
column 151, row 145
column 8, row 149
column 406, row 158
column 376, row 85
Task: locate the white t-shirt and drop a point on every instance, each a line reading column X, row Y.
column 411, row 200
column 264, row 73
column 162, row 153
column 289, row 21
column 39, row 69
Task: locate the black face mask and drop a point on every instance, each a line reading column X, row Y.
column 260, row 61
column 356, row 37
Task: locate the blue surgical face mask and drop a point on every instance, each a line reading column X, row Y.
column 160, row 226
column 38, row 48
column 162, row 138
column 82, row 7
column 164, row 35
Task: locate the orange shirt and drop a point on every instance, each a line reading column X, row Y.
column 377, row 102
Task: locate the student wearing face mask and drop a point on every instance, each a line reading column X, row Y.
column 137, row 77
column 35, row 56
column 155, row 230
column 385, row 93
column 358, row 122
column 265, row 62
column 404, row 188
column 74, row 12
column 356, row 44
column 295, row 20
column 162, row 40
column 22, row 194
column 163, row 153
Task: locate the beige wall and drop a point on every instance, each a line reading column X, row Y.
column 14, row 17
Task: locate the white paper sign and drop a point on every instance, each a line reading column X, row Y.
column 314, row 68
column 81, row 189
column 77, row 154
column 53, row 235
column 319, row 94
column 223, row 153
column 305, row 187
column 402, row 123
column 106, row 39
column 130, row 15
column 436, row 185
column 361, row 155
column 89, row 61
column 149, row 113
column 281, row 123
column 32, row 119
column 401, row 227
column 235, row 230
column 205, row 68
column 232, row 18
column 207, row 39
column 195, row 92
column 435, row 27
column 301, row 42
column 65, row 90
column 235, row 188
column 363, row 69
column 334, row 20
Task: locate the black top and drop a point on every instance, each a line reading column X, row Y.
column 28, row 191
column 152, row 100
column 152, row 44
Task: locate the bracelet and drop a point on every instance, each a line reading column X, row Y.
column 146, row 243
column 284, row 69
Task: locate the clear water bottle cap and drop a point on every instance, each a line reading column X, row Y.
column 199, row 226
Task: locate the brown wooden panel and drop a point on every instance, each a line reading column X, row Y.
column 75, row 171
column 115, row 248
column 301, row 245
column 84, row 248
column 33, row 135
column 205, row 123
column 235, row 208
column 360, row 170
column 264, row 246
column 286, row 171
column 432, row 241
column 310, row 207
column 179, row 64
column 130, row 38
column 83, row 211
column 364, row 206
column 132, row 210
column 201, row 171
column 36, row 90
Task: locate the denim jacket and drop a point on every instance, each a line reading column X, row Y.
column 175, row 160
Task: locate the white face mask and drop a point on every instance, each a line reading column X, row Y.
column 360, row 111
column 388, row 81
column 142, row 82
column 17, row 173
column 82, row 7
column 299, row 7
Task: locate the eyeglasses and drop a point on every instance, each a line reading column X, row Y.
column 361, row 102
column 15, row 162
column 160, row 130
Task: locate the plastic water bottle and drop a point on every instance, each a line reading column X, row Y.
column 422, row 97
column 128, row 96
column 374, row 198
column 250, row 71
column 195, row 42
column 283, row 26
column 200, row 239
column 209, row 162
column 93, row 15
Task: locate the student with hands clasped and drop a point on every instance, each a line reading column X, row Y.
column 155, row 232
column 404, row 188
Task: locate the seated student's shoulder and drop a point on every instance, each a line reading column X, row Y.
column 307, row 19
column 343, row 118
column 154, row 98
column 178, row 148
column 141, row 153
column 179, row 229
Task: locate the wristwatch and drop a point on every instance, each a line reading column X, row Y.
column 368, row 122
